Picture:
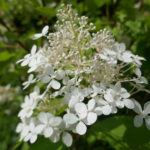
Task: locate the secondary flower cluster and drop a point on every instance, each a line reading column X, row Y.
column 83, row 75
column 7, row 93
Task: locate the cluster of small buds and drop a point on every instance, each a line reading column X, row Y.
column 85, row 73
column 7, row 93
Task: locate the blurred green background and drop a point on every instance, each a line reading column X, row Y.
column 128, row 20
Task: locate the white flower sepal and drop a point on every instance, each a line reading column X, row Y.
column 50, row 76
column 30, row 81
column 105, row 107
column 142, row 114
column 33, row 132
column 27, row 58
column 43, row 33
column 48, row 122
column 67, row 139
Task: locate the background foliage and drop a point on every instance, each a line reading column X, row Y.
column 129, row 21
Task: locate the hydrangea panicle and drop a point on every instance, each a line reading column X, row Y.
column 84, row 74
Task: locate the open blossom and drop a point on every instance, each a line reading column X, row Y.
column 43, row 33
column 29, row 104
column 120, row 96
column 142, row 114
column 30, row 81
column 74, row 97
column 28, row 58
column 105, row 107
column 81, row 76
column 83, row 116
column 49, row 123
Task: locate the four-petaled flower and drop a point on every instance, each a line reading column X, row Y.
column 142, row 114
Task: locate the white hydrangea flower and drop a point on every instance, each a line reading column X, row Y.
column 77, row 95
column 29, row 105
column 105, row 107
column 51, row 75
column 72, row 119
column 109, row 56
column 98, row 89
column 48, row 122
column 27, row 58
column 142, row 114
column 33, row 132
column 86, row 113
column 30, row 81
column 43, row 33
column 140, row 78
column 84, row 116
column 23, row 128
column 120, row 96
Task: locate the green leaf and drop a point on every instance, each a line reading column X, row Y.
column 100, row 3
column 5, row 56
column 3, row 5
column 45, row 144
column 46, row 11
column 121, row 134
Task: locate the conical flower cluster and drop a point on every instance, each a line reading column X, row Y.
column 83, row 74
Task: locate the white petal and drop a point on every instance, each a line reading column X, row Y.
column 138, row 72
column 91, row 104
column 45, row 78
column 126, row 57
column 55, row 121
column 124, row 93
column 67, row 139
column 117, row 87
column 55, row 137
column 73, row 101
column 80, row 108
column 48, row 132
column 138, row 121
column 28, row 137
column 31, row 126
column 128, row 103
column 98, row 111
column 147, row 121
column 55, row 84
column 70, row 118
column 147, row 107
column 19, row 127
column 25, row 131
column 33, row 138
column 45, row 30
column 33, row 50
column 50, row 70
column 30, row 77
column 143, row 80
column 106, row 110
column 137, row 107
column 25, row 62
column 81, row 128
column 120, row 103
column 20, row 60
column 91, row 118
column 101, row 101
column 108, row 96
column 122, row 47
column 39, row 128
column 60, row 74
column 36, row 36
column 43, row 117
